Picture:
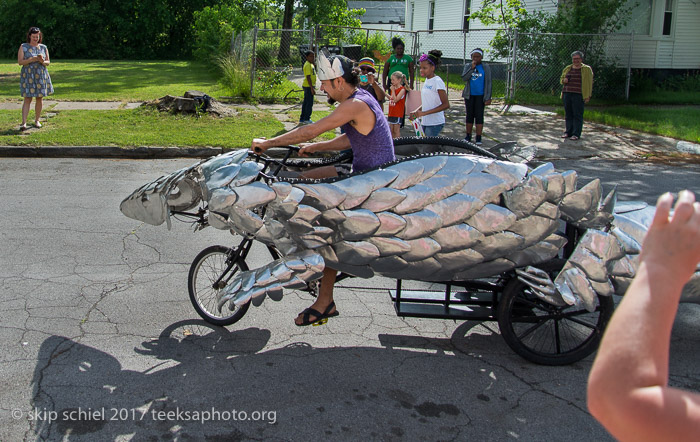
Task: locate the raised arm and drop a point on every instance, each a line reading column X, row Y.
column 385, row 74
column 381, row 95
column 628, row 388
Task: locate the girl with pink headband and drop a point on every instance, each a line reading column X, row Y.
column 433, row 95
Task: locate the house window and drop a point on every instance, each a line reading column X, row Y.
column 639, row 17
column 467, row 13
column 668, row 15
column 431, row 15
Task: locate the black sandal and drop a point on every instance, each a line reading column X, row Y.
column 321, row 318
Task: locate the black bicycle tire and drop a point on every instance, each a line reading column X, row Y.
column 505, row 322
column 194, row 298
column 444, row 141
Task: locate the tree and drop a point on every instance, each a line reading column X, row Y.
column 331, row 12
column 106, row 29
column 215, row 26
column 287, row 21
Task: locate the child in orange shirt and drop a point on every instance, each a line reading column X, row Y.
column 397, row 102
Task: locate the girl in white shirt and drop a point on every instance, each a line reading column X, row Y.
column 433, row 95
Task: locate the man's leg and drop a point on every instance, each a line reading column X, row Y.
column 568, row 114
column 307, row 105
column 325, row 295
column 577, row 104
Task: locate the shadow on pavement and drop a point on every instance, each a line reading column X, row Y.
column 422, row 387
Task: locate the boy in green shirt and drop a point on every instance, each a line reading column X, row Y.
column 308, row 85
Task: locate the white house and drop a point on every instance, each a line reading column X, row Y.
column 666, row 32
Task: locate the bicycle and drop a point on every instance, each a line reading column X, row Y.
column 533, row 328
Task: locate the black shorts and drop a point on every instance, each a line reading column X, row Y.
column 475, row 109
column 395, row 120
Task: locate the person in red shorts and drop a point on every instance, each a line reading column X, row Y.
column 397, row 103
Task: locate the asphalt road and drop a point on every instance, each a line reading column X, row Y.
column 99, row 340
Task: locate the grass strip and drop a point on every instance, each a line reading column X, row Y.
column 139, row 127
column 109, row 80
column 680, row 123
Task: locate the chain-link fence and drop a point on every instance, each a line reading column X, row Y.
column 525, row 67
column 277, row 60
column 456, row 47
column 357, row 43
column 538, row 60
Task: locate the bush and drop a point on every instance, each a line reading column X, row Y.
column 272, row 84
column 378, row 42
column 235, row 78
column 154, row 29
column 265, row 53
column 212, row 34
column 686, row 82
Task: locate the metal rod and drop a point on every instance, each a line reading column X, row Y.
column 629, row 68
column 253, row 63
column 398, row 294
column 514, row 67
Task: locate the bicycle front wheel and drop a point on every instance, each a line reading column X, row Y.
column 209, row 273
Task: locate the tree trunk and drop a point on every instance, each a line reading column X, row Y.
column 287, row 23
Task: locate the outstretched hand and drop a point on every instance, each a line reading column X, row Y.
column 673, row 243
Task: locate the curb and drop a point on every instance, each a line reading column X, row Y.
column 143, row 152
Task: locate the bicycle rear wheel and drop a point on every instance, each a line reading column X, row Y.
column 209, row 266
column 546, row 334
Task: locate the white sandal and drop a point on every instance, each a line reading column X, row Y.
column 23, row 127
column 37, row 124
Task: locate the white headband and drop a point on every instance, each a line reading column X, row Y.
column 478, row 51
column 326, row 70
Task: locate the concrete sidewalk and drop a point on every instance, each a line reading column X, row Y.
column 524, row 125
column 50, row 105
column 541, row 128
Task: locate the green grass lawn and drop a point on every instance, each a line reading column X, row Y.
column 315, row 115
column 665, row 97
column 676, row 122
column 108, row 80
column 140, row 127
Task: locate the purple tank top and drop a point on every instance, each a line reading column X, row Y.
column 375, row 148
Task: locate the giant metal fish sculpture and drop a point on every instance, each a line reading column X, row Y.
column 435, row 217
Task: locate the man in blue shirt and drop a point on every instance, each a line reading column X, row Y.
column 477, row 93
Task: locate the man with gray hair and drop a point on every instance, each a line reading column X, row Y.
column 577, row 79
